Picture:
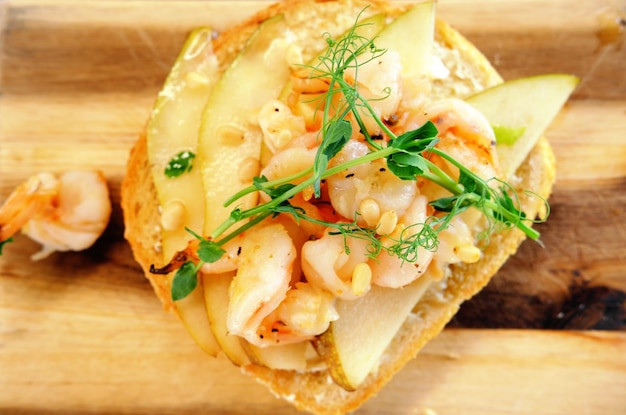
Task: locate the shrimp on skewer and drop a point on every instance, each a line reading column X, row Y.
column 65, row 213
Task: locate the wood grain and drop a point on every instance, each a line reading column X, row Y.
column 83, row 333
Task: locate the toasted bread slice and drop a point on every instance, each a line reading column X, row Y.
column 469, row 72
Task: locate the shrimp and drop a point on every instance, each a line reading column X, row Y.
column 279, row 125
column 306, row 312
column 68, row 213
column 464, row 133
column 267, row 306
column 378, row 80
column 369, row 189
column 394, row 272
column 456, row 244
column 327, row 265
column 290, row 161
column 262, row 280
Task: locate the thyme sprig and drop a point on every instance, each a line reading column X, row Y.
column 406, row 155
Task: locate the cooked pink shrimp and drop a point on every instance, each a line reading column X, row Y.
column 306, row 312
column 464, row 133
column 456, row 244
column 262, row 280
column 367, row 188
column 264, row 307
column 390, row 270
column 327, row 265
column 290, row 161
column 379, row 81
column 62, row 214
column 279, row 125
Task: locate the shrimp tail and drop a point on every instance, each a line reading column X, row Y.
column 177, row 261
column 28, row 200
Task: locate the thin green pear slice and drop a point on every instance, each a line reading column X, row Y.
column 192, row 312
column 216, row 296
column 354, row 344
column 172, row 129
column 283, row 356
column 526, row 104
column 229, row 147
column 411, row 35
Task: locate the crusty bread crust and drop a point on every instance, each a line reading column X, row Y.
column 315, row 392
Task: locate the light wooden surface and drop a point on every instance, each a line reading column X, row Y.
column 82, row 332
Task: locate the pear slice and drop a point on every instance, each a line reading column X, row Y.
column 173, row 128
column 354, row 344
column 216, row 297
column 192, row 312
column 525, row 104
column 229, row 146
column 411, row 35
column 285, row 357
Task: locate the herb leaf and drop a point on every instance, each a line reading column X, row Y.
column 180, row 164
column 336, row 135
column 3, row 243
column 507, row 203
column 417, row 141
column 273, row 192
column 444, row 204
column 185, row 281
column 210, row 251
column 406, row 166
column 409, row 162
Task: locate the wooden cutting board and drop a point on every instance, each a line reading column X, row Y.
column 83, row 333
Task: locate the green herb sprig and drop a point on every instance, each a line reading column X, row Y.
column 3, row 243
column 179, row 164
column 406, row 156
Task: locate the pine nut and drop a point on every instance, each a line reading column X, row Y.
column 370, row 211
column 468, row 253
column 230, row 135
column 173, row 216
column 361, row 278
column 387, row 222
